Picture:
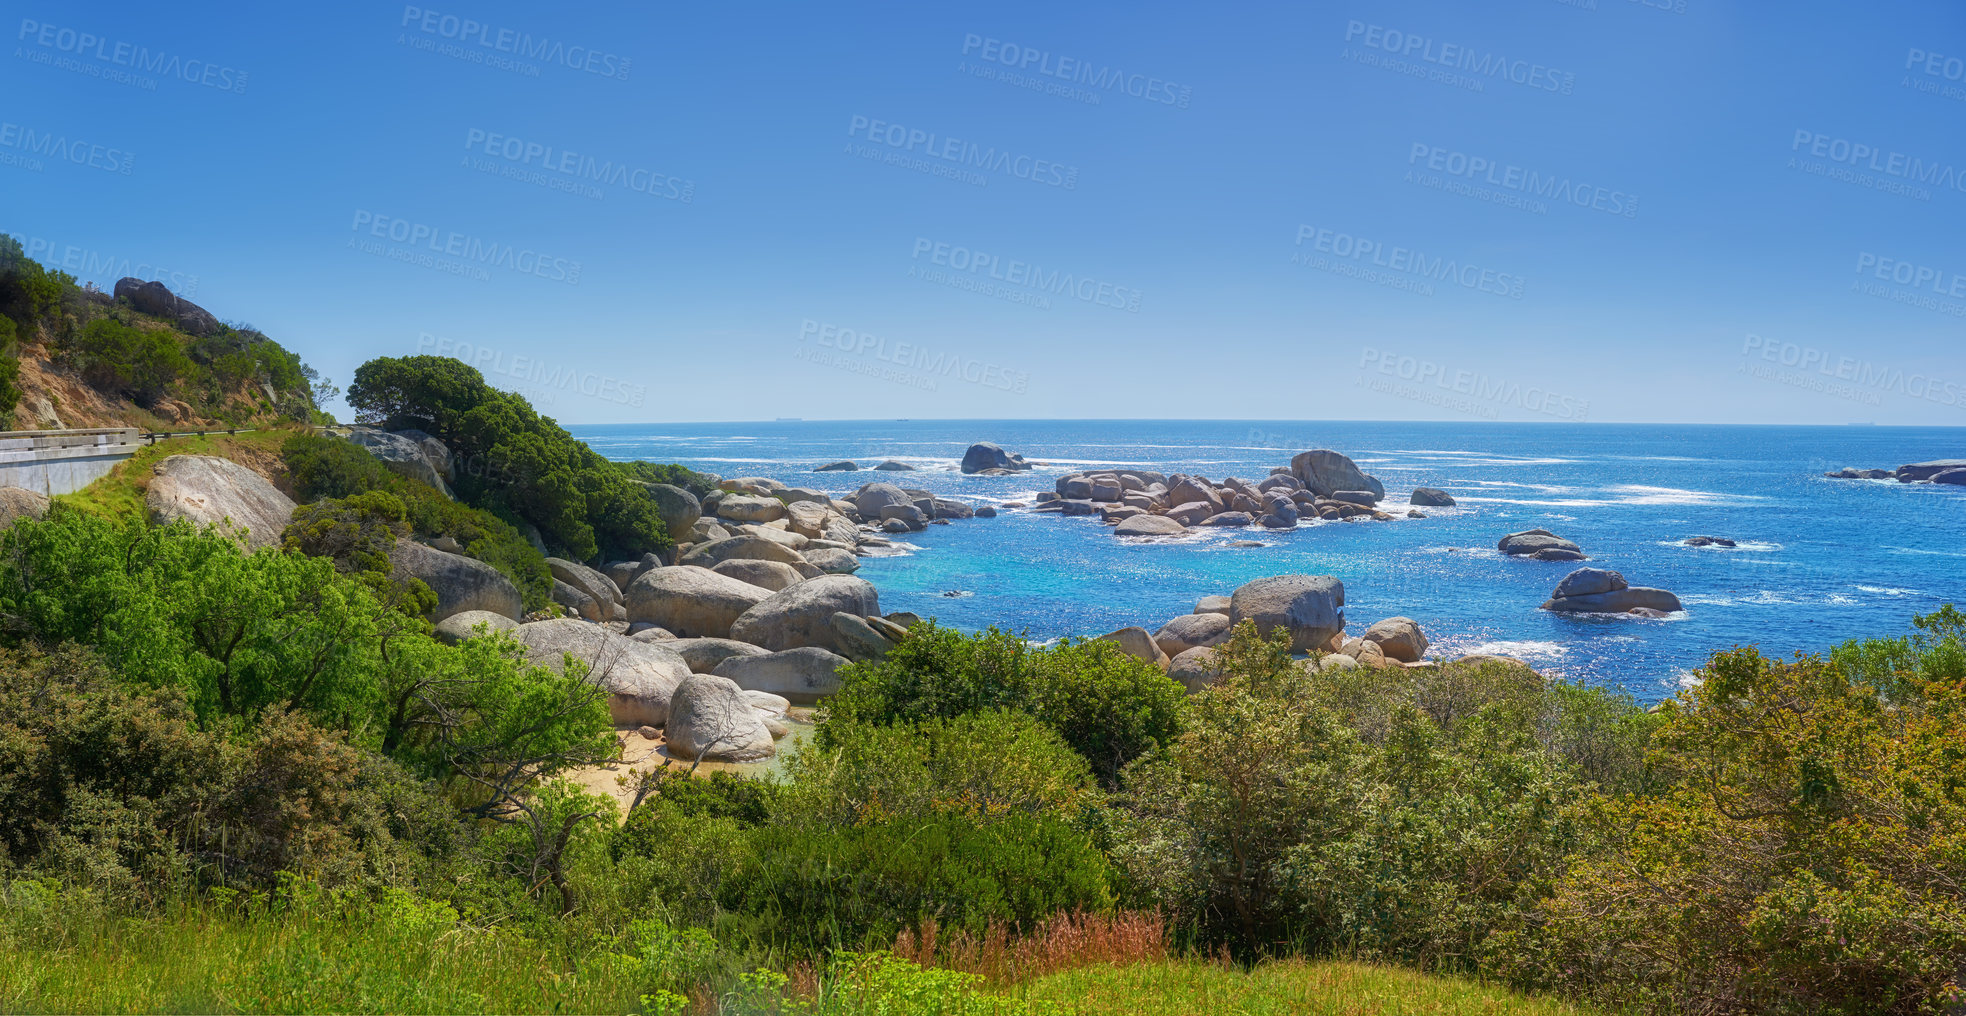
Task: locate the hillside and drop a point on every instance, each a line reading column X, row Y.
column 73, row 356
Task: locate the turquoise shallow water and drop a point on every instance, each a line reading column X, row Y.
column 1819, row 560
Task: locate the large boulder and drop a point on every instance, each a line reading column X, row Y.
column 772, row 575
column 703, row 654
column 402, row 455
column 1190, row 631
column 18, row 502
column 750, row 508
column 1309, row 607
column 1916, row 471
column 1431, row 497
column 639, row 677
column 985, row 455
column 1212, row 605
column 587, row 580
column 743, row 547
column 803, row 614
column 1540, row 544
column 832, row 560
column 1194, row 491
column 874, row 497
column 803, row 676
column 1601, row 591
column 1399, row 638
column 207, row 489
column 842, row 466
column 1951, row 477
column 157, row 300
column 465, row 624
column 891, row 466
column 461, row 583
column 1589, row 582
column 711, row 720
column 1195, row 669
column 678, row 507
column 859, row 640
column 691, row 601
column 1135, row 642
column 437, row 452
column 1325, row 472
column 579, row 603
column 1149, row 525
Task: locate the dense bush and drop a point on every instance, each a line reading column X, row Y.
column 327, row 467
column 700, row 484
column 1107, row 705
column 815, row 888
column 1805, row 854
column 141, row 363
column 514, row 461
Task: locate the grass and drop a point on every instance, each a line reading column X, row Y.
column 120, row 494
column 1293, row 987
column 61, row 952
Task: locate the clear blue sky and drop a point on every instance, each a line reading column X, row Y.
column 1233, row 208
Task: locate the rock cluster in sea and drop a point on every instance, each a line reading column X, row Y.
column 1317, row 485
column 1943, row 471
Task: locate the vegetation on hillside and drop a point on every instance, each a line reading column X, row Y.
column 510, row 460
column 143, row 361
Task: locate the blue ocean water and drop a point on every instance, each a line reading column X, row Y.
column 1818, row 560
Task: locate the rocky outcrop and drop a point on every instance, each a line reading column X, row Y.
column 744, row 547
column 832, row 560
column 1431, row 497
column 859, row 639
column 750, row 508
column 802, row 615
column 891, row 466
column 157, row 300
column 437, row 452
column 578, row 603
column 639, row 677
column 1309, row 607
column 1708, row 541
column 1917, row 472
column 1600, row 591
column 772, row 575
column 1847, row 473
column 984, row 456
column 1540, row 544
column 1135, row 642
column 837, row 467
column 690, row 600
column 1195, row 669
column 207, row 490
column 597, row 587
column 461, row 583
column 1325, row 472
column 1950, row 477
column 802, row 676
column 711, row 720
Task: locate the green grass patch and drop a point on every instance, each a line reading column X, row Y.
column 1283, row 988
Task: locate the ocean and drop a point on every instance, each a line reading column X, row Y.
column 1817, row 561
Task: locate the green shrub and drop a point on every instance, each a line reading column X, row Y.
column 1108, row 706
column 1805, row 852
column 815, row 888
column 141, row 363
column 515, row 462
column 328, row 467
column 983, row 765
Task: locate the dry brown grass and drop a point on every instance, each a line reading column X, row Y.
column 1064, row 942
